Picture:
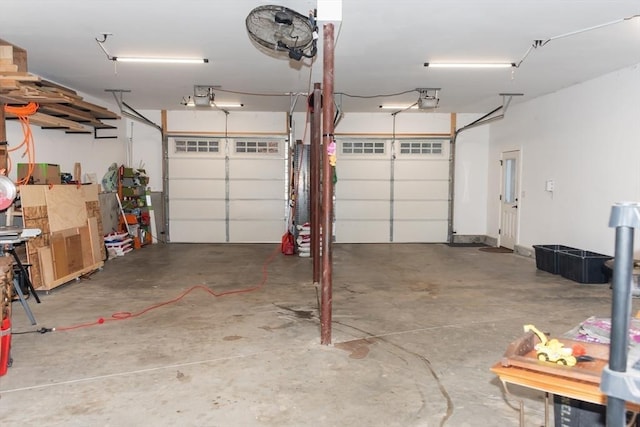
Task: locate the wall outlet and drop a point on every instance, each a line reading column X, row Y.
column 549, row 185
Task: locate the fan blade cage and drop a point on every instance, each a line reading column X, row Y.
column 279, row 28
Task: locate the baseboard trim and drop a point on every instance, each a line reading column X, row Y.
column 491, row 241
column 524, row 251
column 468, row 238
column 475, row 238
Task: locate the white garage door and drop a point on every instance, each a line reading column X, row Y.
column 231, row 191
column 392, row 192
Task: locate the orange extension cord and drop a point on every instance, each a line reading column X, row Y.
column 23, row 114
column 122, row 315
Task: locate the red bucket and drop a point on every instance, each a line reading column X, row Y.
column 5, row 345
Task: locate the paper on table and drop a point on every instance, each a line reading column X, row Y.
column 30, row 232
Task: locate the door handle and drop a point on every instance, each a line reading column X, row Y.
column 514, row 207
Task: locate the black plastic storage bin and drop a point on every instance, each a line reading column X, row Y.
column 547, row 257
column 583, row 266
column 576, row 413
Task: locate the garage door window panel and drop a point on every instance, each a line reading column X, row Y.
column 196, row 146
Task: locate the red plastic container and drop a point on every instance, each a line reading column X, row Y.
column 5, row 345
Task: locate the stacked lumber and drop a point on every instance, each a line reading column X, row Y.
column 6, row 286
column 60, row 107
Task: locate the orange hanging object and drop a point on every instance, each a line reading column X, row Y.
column 25, row 110
column 23, row 113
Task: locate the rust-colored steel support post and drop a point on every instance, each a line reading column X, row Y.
column 327, row 186
column 315, row 160
column 4, row 152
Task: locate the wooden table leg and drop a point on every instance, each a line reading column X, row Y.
column 546, row 409
column 520, row 402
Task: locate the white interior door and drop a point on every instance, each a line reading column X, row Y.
column 509, row 199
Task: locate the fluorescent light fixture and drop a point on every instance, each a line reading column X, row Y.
column 147, row 60
column 227, row 105
column 160, row 60
column 398, row 107
column 198, row 101
column 469, row 64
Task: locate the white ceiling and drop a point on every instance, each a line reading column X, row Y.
column 380, row 49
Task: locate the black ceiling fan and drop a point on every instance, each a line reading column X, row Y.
column 281, row 29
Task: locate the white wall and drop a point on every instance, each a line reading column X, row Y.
column 243, row 122
column 586, row 139
column 144, row 147
column 471, row 168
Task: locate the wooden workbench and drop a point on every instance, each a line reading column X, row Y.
column 520, row 366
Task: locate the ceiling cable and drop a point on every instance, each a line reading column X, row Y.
column 403, row 110
column 540, row 43
column 289, row 94
column 375, row 96
column 533, row 46
column 595, row 27
column 226, row 124
column 237, row 92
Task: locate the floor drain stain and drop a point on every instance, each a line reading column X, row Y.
column 359, row 348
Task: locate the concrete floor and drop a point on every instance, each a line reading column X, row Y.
column 416, row 329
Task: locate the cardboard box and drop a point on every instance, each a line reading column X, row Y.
column 43, row 173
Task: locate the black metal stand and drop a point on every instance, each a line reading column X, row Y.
column 23, row 301
column 25, row 275
column 8, row 246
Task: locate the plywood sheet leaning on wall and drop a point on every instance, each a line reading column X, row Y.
column 94, row 212
column 98, row 251
column 45, row 265
column 86, row 246
column 66, row 207
column 69, row 217
column 35, row 216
